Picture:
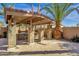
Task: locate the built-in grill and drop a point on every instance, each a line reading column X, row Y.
column 22, row 37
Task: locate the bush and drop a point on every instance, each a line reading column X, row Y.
column 75, row 39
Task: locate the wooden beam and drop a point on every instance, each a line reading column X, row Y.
column 25, row 20
column 39, row 20
column 34, row 19
column 42, row 21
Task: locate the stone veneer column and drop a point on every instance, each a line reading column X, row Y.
column 31, row 36
column 41, row 35
column 49, row 34
column 12, row 37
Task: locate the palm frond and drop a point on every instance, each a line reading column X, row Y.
column 47, row 5
column 70, row 10
column 7, row 4
column 1, row 12
column 49, row 10
column 67, row 5
column 61, row 10
column 77, row 11
column 11, row 4
column 3, row 4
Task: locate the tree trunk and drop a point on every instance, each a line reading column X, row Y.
column 32, row 9
column 57, row 31
column 38, row 9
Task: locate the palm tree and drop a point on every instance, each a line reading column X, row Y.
column 59, row 11
column 4, row 6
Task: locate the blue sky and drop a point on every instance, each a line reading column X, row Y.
column 70, row 20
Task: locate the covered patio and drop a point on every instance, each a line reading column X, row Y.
column 27, row 26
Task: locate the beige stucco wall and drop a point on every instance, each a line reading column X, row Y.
column 70, row 32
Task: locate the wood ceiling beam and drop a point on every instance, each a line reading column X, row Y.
column 34, row 19
column 41, row 22
column 24, row 20
column 37, row 19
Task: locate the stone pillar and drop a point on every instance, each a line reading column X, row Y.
column 11, row 37
column 49, row 34
column 41, row 35
column 31, row 36
column 31, row 32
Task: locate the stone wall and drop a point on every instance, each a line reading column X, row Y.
column 70, row 32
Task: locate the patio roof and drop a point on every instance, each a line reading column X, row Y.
column 21, row 16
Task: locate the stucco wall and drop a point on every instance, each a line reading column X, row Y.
column 70, row 32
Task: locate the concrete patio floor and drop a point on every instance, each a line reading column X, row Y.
column 45, row 47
